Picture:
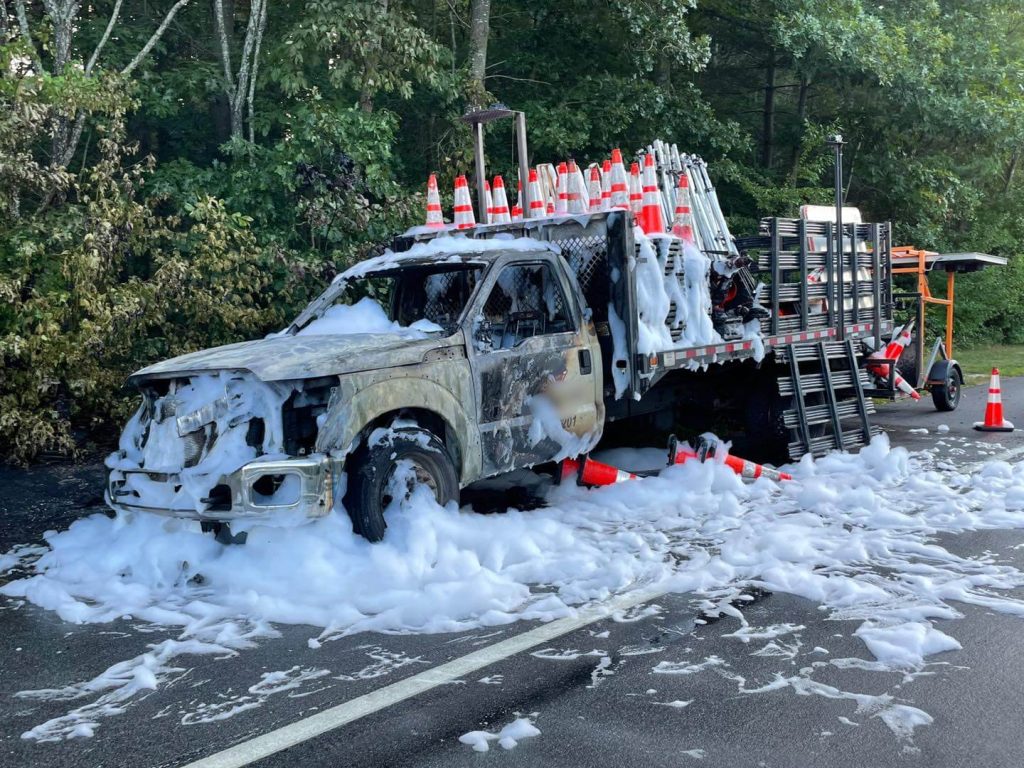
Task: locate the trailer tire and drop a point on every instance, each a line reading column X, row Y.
column 946, row 396
column 371, row 468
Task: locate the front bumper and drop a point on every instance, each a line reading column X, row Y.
column 302, row 486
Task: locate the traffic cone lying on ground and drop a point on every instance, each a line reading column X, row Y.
column 590, row 472
column 499, row 211
column 651, row 219
column 994, row 421
column 463, row 207
column 679, row 453
column 434, row 215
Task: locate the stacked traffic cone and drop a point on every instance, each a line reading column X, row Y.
column 517, row 209
column 578, row 201
column 606, row 185
column 562, row 198
column 618, row 191
column 595, row 191
column 488, row 204
column 463, row 207
column 499, row 211
column 994, row 421
column 590, row 472
column 636, row 190
column 434, row 216
column 682, row 223
column 892, row 352
column 536, row 198
column 681, row 453
column 651, row 219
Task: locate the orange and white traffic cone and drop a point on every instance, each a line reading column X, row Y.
column 651, row 219
column 562, row 199
column 619, row 192
column 636, row 190
column 682, row 223
column 590, row 472
column 994, row 421
column 680, row 453
column 488, row 203
column 606, row 186
column 434, row 216
column 595, row 191
column 579, row 200
column 499, row 211
column 892, row 352
column 463, row 207
column 517, row 209
column 536, row 197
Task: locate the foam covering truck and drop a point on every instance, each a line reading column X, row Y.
column 465, row 355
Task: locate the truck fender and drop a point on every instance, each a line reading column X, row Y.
column 351, row 409
column 940, row 370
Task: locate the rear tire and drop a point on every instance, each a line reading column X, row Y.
column 371, row 468
column 947, row 396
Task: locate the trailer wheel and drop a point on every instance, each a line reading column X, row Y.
column 946, row 396
column 371, row 470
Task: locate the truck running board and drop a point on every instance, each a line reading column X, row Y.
column 824, row 387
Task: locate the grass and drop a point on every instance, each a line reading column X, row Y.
column 978, row 361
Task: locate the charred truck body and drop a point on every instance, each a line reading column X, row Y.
column 461, row 355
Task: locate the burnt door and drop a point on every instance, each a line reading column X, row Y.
column 536, row 380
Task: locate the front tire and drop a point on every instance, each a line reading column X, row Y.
column 371, row 469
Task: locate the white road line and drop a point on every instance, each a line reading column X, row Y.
column 310, row 727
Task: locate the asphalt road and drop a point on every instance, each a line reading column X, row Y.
column 595, row 699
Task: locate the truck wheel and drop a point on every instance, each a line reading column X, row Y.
column 947, row 396
column 371, row 469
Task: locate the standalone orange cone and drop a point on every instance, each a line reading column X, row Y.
column 651, row 218
column 682, row 223
column 619, row 192
column 434, row 216
column 681, row 453
column 590, row 472
column 463, row 208
column 994, row 421
column 536, row 197
column 488, row 203
column 636, row 190
column 606, row 186
column 499, row 211
column 595, row 191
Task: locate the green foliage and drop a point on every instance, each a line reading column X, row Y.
column 162, row 234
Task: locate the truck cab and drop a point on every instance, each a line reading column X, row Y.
column 450, row 362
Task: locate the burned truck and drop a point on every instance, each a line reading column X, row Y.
column 459, row 355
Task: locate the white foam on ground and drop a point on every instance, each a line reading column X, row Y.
column 508, row 737
column 853, row 533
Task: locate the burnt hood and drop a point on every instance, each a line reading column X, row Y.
column 282, row 358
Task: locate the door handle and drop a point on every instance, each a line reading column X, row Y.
column 586, row 365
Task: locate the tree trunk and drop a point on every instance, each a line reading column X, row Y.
column 1011, row 170
column 801, row 117
column 240, row 89
column 372, row 62
column 768, row 128
column 479, row 32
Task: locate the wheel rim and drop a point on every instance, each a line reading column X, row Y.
column 952, row 389
column 420, row 476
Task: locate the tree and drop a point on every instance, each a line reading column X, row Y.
column 240, row 88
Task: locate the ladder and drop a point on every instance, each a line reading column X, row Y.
column 824, row 388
